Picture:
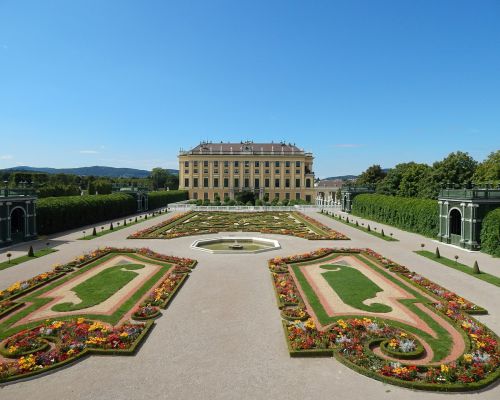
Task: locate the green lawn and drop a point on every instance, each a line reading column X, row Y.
column 19, row 260
column 353, row 287
column 100, row 287
column 8, row 325
column 494, row 280
column 364, row 229
column 101, row 232
column 441, row 343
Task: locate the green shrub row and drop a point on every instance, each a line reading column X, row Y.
column 490, row 233
column 56, row 214
column 411, row 214
column 162, row 198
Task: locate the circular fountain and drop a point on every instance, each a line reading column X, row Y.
column 239, row 245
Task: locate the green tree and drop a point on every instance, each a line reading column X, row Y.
column 371, row 176
column 455, row 169
column 489, row 170
column 390, row 184
column 413, row 181
column 159, row 177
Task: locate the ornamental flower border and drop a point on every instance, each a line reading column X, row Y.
column 156, row 231
column 351, row 340
column 67, row 340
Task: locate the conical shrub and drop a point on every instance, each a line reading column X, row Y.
column 438, row 255
column 111, row 226
column 31, row 253
column 475, row 268
column 94, row 232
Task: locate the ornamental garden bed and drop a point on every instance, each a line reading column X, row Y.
column 83, row 307
column 199, row 223
column 384, row 321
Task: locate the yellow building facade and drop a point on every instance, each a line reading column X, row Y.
column 269, row 170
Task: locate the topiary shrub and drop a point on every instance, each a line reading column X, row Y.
column 438, row 255
column 111, row 227
column 475, row 268
column 368, row 228
column 490, row 233
column 31, row 253
column 94, row 232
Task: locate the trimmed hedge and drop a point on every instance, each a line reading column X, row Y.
column 490, row 233
column 162, row 198
column 56, row 214
column 410, row 214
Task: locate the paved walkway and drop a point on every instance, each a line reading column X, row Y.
column 221, row 338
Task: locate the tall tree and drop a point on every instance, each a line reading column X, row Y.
column 455, row 169
column 489, row 170
column 159, row 177
column 371, row 176
column 390, row 184
column 413, row 181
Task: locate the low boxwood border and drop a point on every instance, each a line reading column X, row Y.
column 411, row 355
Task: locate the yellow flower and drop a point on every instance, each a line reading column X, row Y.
column 402, row 334
column 56, row 324
column 12, row 349
column 80, row 320
column 309, row 324
column 468, row 358
column 14, row 287
column 70, row 352
column 444, row 368
column 124, row 335
column 27, row 363
column 96, row 326
column 342, row 324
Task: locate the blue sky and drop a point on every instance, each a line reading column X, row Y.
column 129, row 83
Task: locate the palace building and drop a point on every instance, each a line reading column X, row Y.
column 268, row 170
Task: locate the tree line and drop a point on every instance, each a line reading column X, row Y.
column 413, row 179
column 57, row 185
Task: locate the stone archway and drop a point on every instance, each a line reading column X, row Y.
column 18, row 224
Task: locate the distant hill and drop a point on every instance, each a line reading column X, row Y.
column 110, row 172
column 351, row 177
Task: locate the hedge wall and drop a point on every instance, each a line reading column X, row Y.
column 162, row 198
column 56, row 214
column 411, row 214
column 490, row 233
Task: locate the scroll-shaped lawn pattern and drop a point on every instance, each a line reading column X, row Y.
column 109, row 285
column 100, row 287
column 432, row 344
column 353, row 287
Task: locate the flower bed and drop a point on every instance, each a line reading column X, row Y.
column 71, row 340
column 353, row 340
column 198, row 223
column 40, row 347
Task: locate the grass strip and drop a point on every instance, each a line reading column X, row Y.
column 20, row 260
column 484, row 276
column 362, row 228
column 118, row 227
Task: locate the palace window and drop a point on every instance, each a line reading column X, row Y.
column 276, row 183
column 205, row 182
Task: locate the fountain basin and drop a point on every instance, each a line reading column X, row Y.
column 235, row 245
